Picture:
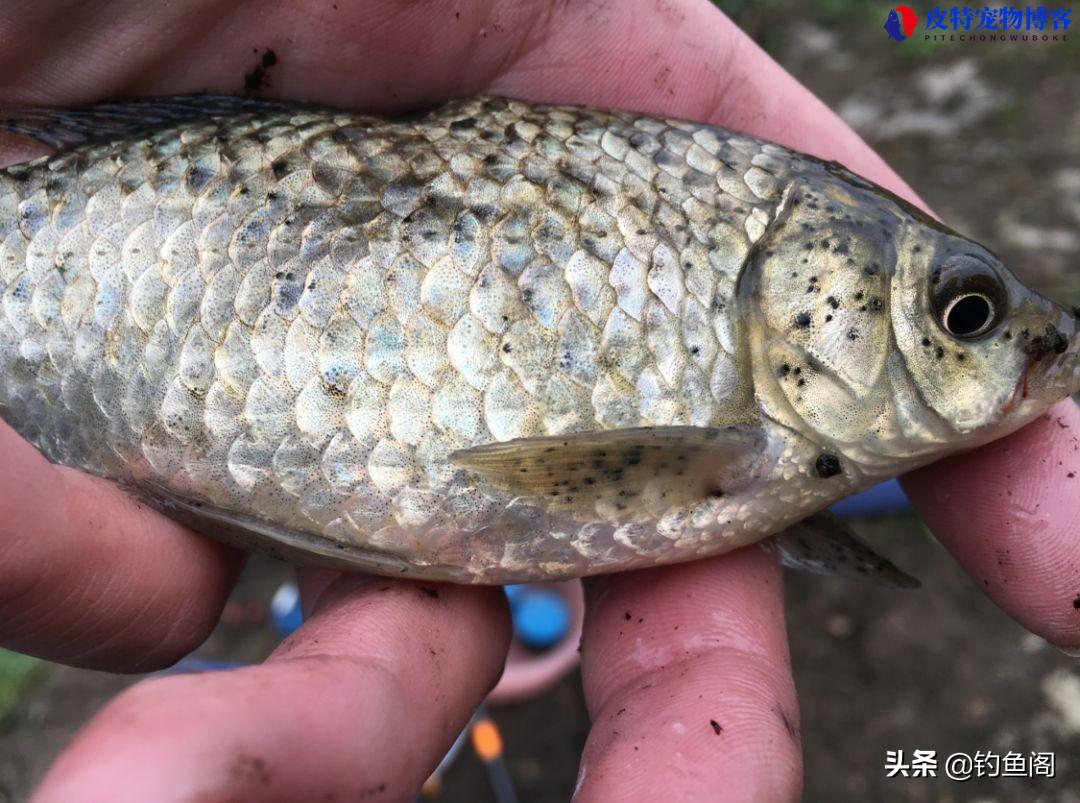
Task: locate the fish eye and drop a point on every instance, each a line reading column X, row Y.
column 968, row 315
column 967, row 297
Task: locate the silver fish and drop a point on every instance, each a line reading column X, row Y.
column 494, row 341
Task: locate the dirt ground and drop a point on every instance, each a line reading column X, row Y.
column 990, row 136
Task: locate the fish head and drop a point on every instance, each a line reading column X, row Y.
column 883, row 333
column 987, row 353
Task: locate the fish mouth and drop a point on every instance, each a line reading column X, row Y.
column 1062, row 369
column 1019, row 391
column 1051, row 368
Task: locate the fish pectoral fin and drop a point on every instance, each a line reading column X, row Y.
column 623, row 470
column 824, row 544
column 59, row 128
column 252, row 534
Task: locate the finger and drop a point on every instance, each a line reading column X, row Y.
column 683, row 58
column 688, row 683
column 360, row 703
column 623, row 56
column 1008, row 513
column 90, row 577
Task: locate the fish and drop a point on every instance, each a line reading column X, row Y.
column 495, row 341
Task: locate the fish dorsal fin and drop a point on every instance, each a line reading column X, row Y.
column 622, row 470
column 824, row 544
column 116, row 119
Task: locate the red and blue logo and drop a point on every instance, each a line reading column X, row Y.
column 983, row 24
column 901, row 23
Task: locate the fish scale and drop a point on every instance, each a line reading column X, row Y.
column 301, row 323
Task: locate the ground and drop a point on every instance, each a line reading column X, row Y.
column 989, row 135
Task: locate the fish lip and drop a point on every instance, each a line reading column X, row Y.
column 1020, row 389
column 1050, row 379
column 1052, row 364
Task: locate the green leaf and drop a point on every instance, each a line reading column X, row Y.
column 17, row 672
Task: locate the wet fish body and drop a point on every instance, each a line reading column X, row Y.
column 494, row 341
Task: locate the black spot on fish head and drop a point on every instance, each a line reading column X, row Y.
column 1050, row 343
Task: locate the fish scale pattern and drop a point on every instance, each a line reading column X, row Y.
column 299, row 316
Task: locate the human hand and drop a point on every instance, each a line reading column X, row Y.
column 365, row 698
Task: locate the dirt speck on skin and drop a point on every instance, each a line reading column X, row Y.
column 430, row 593
column 670, row 12
column 789, row 726
column 716, row 727
column 257, row 77
column 250, row 769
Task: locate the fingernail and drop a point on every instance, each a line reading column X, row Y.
column 1072, row 652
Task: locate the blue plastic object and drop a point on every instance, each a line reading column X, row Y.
column 190, row 666
column 514, row 592
column 285, row 611
column 880, row 500
column 541, row 617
